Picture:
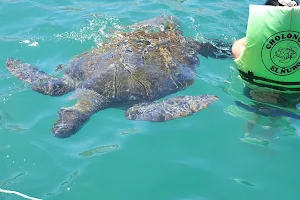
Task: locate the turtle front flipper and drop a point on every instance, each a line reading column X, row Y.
column 39, row 81
column 169, row 109
column 71, row 119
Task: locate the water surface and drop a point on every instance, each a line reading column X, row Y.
column 203, row 157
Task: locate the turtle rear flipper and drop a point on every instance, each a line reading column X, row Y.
column 39, row 81
column 71, row 119
column 169, row 109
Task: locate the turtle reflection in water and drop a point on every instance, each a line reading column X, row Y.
column 145, row 62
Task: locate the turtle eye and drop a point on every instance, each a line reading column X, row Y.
column 192, row 52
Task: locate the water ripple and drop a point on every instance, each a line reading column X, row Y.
column 12, row 180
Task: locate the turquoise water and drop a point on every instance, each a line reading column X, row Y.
column 202, row 157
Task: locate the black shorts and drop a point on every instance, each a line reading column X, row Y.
column 265, row 108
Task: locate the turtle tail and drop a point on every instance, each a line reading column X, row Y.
column 40, row 81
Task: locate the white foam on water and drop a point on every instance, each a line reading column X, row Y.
column 97, row 30
column 33, row 44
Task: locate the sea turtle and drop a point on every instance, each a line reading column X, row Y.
column 138, row 65
column 286, row 54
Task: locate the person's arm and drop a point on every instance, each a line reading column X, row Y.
column 238, row 47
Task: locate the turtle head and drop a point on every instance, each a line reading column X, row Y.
column 70, row 120
column 214, row 49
